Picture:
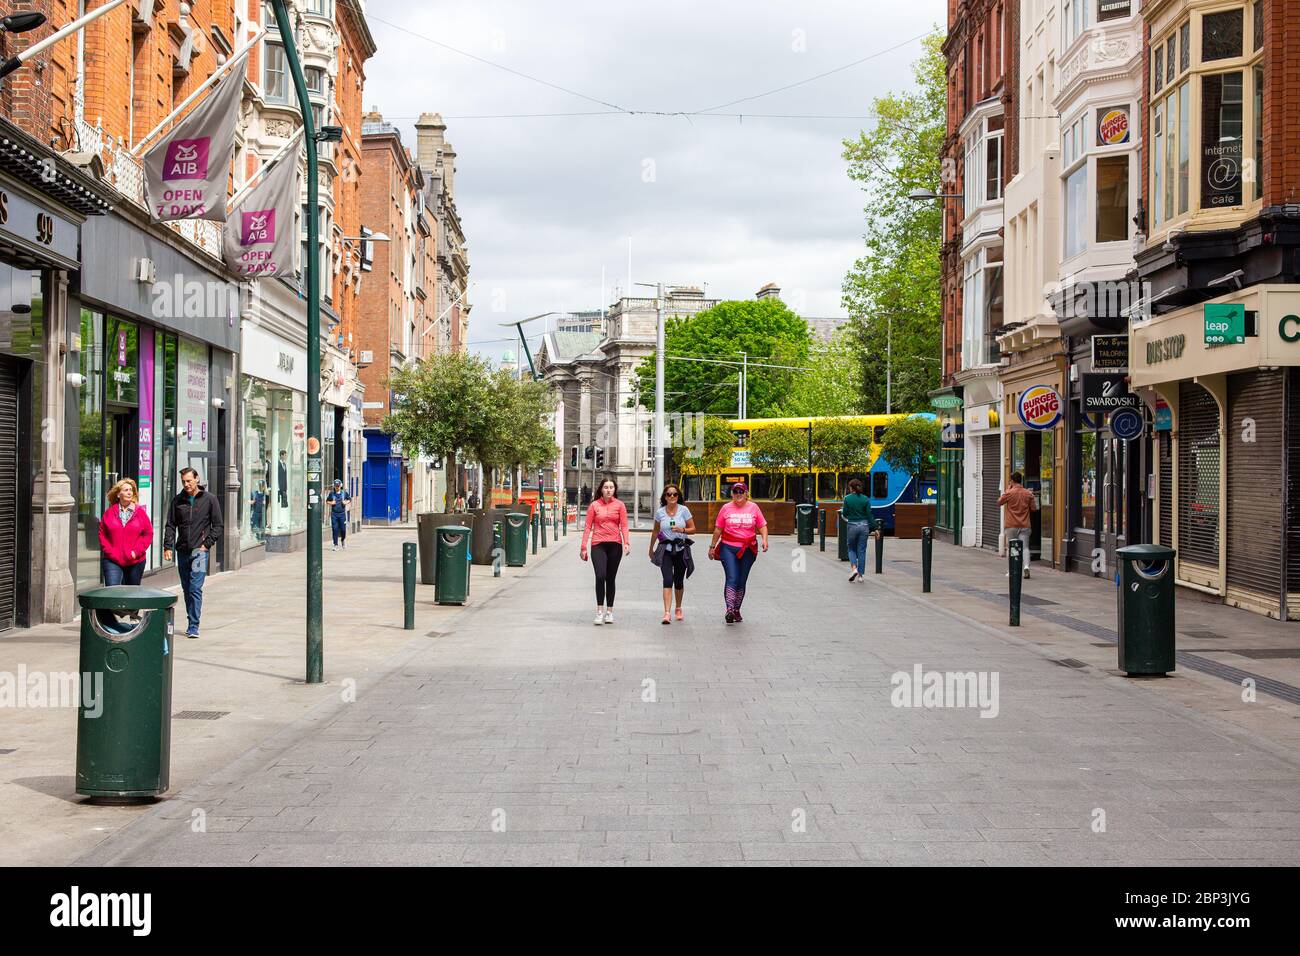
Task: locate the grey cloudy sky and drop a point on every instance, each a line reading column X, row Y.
column 735, row 203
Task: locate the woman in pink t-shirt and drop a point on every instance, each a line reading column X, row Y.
column 739, row 526
column 607, row 530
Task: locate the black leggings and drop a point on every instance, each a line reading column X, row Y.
column 673, row 567
column 605, row 557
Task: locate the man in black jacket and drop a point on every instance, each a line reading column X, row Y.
column 194, row 526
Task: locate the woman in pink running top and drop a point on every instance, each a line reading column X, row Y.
column 607, row 531
column 739, row 528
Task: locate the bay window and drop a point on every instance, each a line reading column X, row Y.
column 1206, row 92
column 1076, row 211
column 1112, row 198
column 984, row 163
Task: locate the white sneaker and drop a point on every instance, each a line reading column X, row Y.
column 600, row 618
column 609, row 617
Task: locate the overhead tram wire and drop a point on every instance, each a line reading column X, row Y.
column 614, row 108
column 494, row 64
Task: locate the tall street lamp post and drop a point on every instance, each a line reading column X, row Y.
column 315, row 626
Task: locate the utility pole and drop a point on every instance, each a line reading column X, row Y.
column 659, row 388
column 315, row 626
column 744, row 385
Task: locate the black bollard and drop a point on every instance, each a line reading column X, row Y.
column 880, row 545
column 534, row 530
column 927, row 555
column 408, row 585
column 542, row 523
column 1015, row 568
column 821, row 526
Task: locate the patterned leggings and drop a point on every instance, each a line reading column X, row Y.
column 735, row 564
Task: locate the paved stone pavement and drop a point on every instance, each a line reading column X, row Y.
column 525, row 735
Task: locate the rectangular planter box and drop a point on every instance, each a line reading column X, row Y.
column 909, row 519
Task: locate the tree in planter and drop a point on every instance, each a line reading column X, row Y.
column 702, row 446
column 440, row 406
column 840, row 446
column 514, row 434
column 910, row 443
column 779, row 449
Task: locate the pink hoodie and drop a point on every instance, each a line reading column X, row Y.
column 118, row 542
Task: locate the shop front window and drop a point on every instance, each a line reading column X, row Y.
column 256, row 480
column 90, row 448
column 1088, row 480
column 284, row 459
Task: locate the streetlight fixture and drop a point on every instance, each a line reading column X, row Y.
column 929, row 195
column 21, row 22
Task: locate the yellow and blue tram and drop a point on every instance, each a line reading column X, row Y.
column 883, row 484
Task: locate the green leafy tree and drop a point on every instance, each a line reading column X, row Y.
column 702, row 446
column 841, row 446
column 440, row 406
column 892, row 293
column 833, row 383
column 514, row 433
column 779, row 449
column 910, row 443
column 764, row 329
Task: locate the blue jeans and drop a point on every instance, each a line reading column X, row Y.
column 858, row 532
column 339, row 528
column 115, row 573
column 192, row 566
column 735, row 565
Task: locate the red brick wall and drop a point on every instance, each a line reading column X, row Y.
column 1281, row 170
column 38, row 97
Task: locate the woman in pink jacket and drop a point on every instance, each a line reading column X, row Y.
column 125, row 533
column 607, row 530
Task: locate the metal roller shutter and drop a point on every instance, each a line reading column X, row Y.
column 990, row 477
column 1255, row 483
column 1165, row 442
column 1293, row 483
column 1199, row 471
column 8, row 493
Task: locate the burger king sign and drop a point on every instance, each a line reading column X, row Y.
column 1112, row 127
column 1039, row 407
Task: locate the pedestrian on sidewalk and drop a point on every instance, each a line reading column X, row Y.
column 473, row 501
column 340, row 503
column 1018, row 501
column 607, row 531
column 735, row 542
column 459, row 506
column 193, row 527
column 857, row 519
column 670, row 547
column 125, row 534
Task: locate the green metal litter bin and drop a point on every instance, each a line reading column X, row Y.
column 453, row 565
column 805, row 516
column 1146, row 609
column 514, row 532
column 124, row 722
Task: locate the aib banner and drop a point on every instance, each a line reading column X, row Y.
column 186, row 173
column 259, row 236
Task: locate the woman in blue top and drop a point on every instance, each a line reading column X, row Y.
column 857, row 518
column 673, row 522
